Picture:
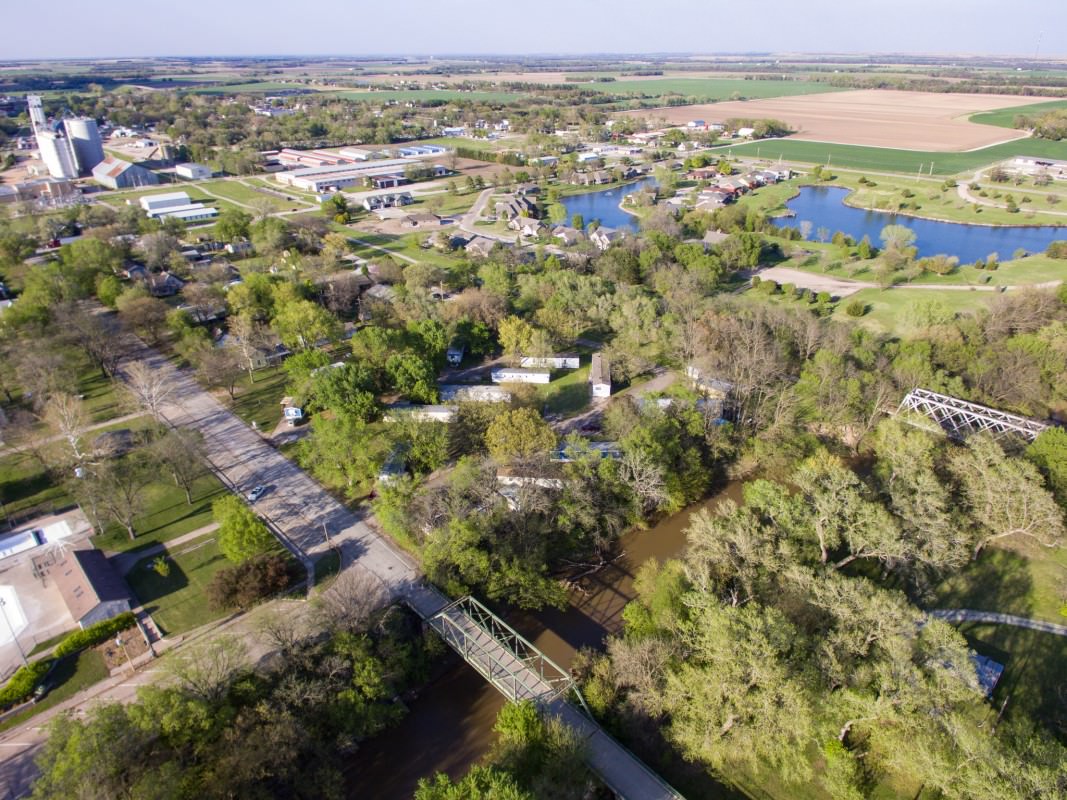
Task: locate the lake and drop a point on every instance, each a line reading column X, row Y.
column 604, row 205
column 824, row 207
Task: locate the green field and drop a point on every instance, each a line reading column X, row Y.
column 119, row 198
column 1005, row 117
column 422, row 95
column 167, row 516
column 177, row 602
column 890, row 160
column 246, row 195
column 255, row 87
column 889, row 310
column 712, row 88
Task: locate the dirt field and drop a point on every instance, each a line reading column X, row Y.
column 875, row 118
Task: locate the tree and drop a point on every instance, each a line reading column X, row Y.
column 413, row 376
column 516, row 336
column 150, row 388
column 519, row 433
column 1048, row 452
column 157, row 248
column 87, row 331
column 180, row 454
column 207, row 671
column 1004, row 496
column 232, row 225
column 250, row 339
column 301, row 324
column 241, row 534
column 219, row 367
column 65, row 414
column 115, row 488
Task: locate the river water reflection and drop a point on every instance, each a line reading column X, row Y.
column 450, row 725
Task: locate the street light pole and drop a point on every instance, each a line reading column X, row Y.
column 15, row 638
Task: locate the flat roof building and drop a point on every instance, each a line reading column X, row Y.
column 193, row 172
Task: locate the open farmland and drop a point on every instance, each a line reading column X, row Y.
column 713, row 88
column 874, row 118
column 1005, row 117
column 887, row 159
column 422, row 95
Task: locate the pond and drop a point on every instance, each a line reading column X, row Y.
column 604, row 205
column 824, row 207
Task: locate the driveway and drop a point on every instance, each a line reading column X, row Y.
column 817, row 283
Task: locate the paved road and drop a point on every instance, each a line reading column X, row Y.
column 967, row 615
column 305, row 517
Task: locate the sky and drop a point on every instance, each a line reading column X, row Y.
column 87, row 29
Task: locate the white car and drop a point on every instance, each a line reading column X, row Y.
column 256, row 493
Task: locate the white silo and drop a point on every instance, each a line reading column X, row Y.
column 85, row 138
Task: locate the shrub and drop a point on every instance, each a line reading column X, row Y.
column 856, row 308
column 23, row 682
column 755, row 281
column 789, row 290
column 823, row 298
column 768, row 287
column 1057, row 249
column 242, row 585
column 94, row 634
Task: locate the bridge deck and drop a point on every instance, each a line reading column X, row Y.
column 522, row 677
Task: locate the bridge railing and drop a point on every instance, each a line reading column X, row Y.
column 958, row 417
column 510, row 662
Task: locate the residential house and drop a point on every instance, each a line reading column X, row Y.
column 420, row 220
column 550, row 362
column 514, row 375
column 480, row 246
column 527, row 226
column 510, row 206
column 434, row 413
column 568, row 236
column 391, row 200
column 603, row 237
column 164, row 284
column 599, row 376
column 473, row 393
column 387, row 181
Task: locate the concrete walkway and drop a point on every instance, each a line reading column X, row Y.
column 107, row 423
column 126, row 561
column 967, row 615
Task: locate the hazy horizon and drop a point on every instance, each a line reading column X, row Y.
column 272, row 28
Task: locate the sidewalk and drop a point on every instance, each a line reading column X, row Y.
column 126, row 561
column 58, row 437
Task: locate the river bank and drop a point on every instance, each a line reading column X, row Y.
column 449, row 726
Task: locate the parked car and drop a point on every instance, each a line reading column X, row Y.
column 256, row 493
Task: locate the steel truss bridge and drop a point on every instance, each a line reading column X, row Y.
column 959, row 418
column 519, row 671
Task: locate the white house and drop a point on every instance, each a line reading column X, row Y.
column 604, row 237
column 550, row 362
column 512, row 375
column 600, row 376
column 435, row 413
column 475, row 393
column 192, row 172
column 746, row 133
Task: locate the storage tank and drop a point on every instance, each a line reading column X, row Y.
column 85, row 137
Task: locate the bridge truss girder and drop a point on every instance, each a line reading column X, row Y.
column 959, row 418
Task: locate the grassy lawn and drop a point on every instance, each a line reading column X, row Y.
column 168, row 515
column 25, row 485
column 404, row 245
column 70, row 676
column 240, row 193
column 712, row 88
column 177, row 602
column 1005, row 117
column 569, row 391
column 120, row 198
column 887, row 159
column 445, row 204
column 889, row 310
column 260, row 402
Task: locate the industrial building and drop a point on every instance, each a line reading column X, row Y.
column 337, row 176
column 176, row 205
column 49, row 192
column 57, row 153
column 192, row 172
column 85, row 139
column 114, row 173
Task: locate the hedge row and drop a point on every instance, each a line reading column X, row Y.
column 94, row 634
column 23, row 682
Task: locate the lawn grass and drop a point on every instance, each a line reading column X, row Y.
column 177, row 602
column 568, row 393
column 885, row 159
column 247, row 195
column 713, row 88
column 26, row 485
column 40, row 647
column 1005, row 117
column 260, row 402
column 70, row 676
column 119, row 198
column 404, row 245
column 888, row 309
column 168, row 515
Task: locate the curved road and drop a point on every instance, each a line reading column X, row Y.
column 968, row 615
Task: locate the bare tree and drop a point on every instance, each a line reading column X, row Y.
column 149, row 388
column 250, row 339
column 219, row 367
column 89, row 332
column 65, row 414
column 281, row 630
column 115, row 489
column 353, row 596
column 180, row 453
column 209, row 670
column 40, row 370
column 644, row 478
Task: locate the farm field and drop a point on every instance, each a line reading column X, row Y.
column 1005, row 117
column 876, row 118
column 255, row 87
column 712, row 88
column 887, row 159
column 430, row 94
